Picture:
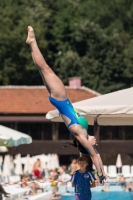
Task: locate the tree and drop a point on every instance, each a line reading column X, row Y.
column 90, row 39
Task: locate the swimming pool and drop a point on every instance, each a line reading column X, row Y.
column 115, row 193
column 105, row 196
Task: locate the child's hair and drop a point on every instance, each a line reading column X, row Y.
column 82, row 159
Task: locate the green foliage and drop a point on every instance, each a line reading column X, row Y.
column 87, row 38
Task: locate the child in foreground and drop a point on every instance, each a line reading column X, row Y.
column 83, row 180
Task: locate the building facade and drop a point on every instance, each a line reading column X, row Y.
column 23, row 108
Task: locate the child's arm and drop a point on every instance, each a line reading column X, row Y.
column 92, row 184
column 73, row 179
column 92, row 180
column 73, row 184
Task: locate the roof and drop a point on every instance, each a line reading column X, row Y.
column 34, row 99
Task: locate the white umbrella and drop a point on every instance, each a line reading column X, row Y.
column 44, row 162
column 43, row 158
column 49, row 162
column 28, row 165
column 23, row 160
column 11, row 165
column 56, row 160
column 115, row 108
column 3, row 149
column 10, row 137
column 44, row 166
column 18, row 166
column 53, row 162
column 118, row 162
column 46, row 173
column 6, row 166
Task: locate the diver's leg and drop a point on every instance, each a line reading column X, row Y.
column 53, row 83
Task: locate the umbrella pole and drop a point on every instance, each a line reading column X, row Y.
column 119, row 170
column 96, row 130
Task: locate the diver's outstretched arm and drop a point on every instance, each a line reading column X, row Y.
column 94, row 144
column 101, row 165
column 88, row 146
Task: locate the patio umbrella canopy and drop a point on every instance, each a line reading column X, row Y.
column 3, row 149
column 7, row 164
column 28, row 165
column 115, row 108
column 10, row 137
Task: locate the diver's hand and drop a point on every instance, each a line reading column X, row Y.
column 92, row 140
column 102, row 178
column 106, row 175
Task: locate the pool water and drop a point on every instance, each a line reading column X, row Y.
column 105, row 196
column 112, row 196
column 116, row 193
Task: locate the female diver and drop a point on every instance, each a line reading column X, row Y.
column 77, row 125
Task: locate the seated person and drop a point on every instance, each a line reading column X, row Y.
column 24, row 181
column 122, row 182
column 2, row 191
column 130, row 187
column 27, row 182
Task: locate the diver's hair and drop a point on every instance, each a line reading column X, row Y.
column 68, row 144
column 82, row 159
column 76, row 144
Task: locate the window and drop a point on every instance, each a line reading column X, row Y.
column 38, row 131
column 128, row 132
column 47, row 131
column 105, row 133
column 8, row 124
column 116, row 132
column 111, row 133
column 35, row 131
column 23, row 127
column 64, row 133
column 91, row 130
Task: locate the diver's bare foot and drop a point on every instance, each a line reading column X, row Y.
column 31, row 35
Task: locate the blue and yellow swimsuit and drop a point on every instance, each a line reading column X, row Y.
column 65, row 108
